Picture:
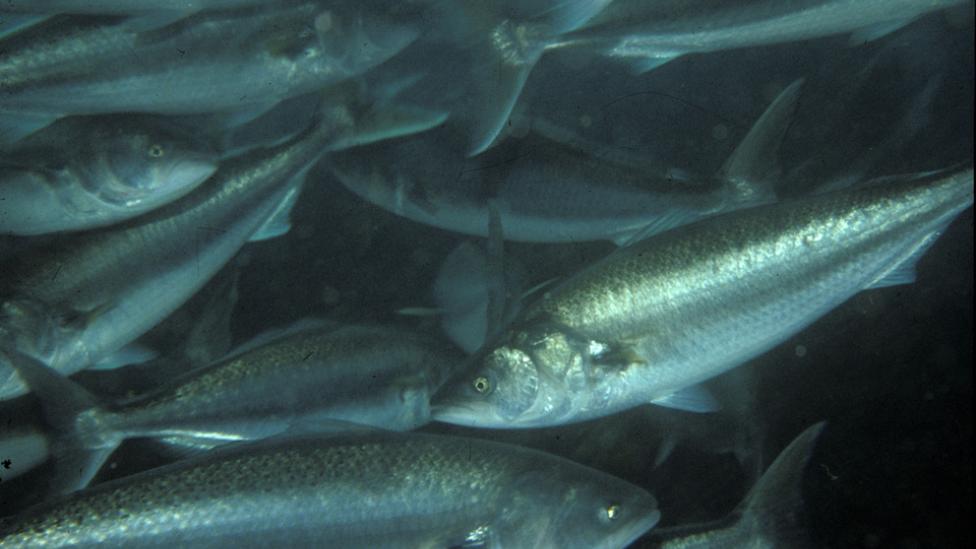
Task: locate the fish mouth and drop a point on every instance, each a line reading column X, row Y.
column 637, row 528
column 466, row 414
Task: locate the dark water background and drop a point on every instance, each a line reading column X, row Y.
column 890, row 371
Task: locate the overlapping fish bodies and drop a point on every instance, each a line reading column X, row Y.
column 553, row 193
column 86, row 172
column 374, row 490
column 316, row 377
column 87, row 295
column 650, row 34
column 245, row 59
column 655, row 318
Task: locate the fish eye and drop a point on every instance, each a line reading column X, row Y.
column 613, row 511
column 482, row 385
column 156, row 151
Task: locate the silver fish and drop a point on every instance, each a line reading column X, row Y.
column 119, row 7
column 316, row 376
column 552, row 193
column 649, row 322
column 653, row 33
column 86, row 172
column 376, row 490
column 87, row 295
column 244, row 59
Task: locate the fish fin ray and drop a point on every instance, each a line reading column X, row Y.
column 753, row 164
column 695, row 398
column 570, row 15
column 647, row 64
column 279, row 222
column 903, row 270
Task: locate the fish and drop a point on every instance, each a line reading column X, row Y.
column 769, row 516
column 480, row 55
column 650, row 34
column 310, row 374
column 360, row 490
column 86, row 172
column 648, row 323
column 244, row 61
column 85, row 296
column 118, row 7
column 553, row 194
column 203, row 323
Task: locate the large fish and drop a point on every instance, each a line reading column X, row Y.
column 650, row 34
column 367, row 490
column 85, row 172
column 313, row 374
column 554, row 193
column 87, row 295
column 650, row 321
column 247, row 59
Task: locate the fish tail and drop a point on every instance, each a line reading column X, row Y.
column 83, row 436
column 505, row 59
column 773, row 508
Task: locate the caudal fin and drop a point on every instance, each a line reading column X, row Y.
column 772, row 509
column 81, row 443
column 504, row 57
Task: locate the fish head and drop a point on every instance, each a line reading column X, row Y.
column 530, row 380
column 148, row 165
column 568, row 505
column 603, row 511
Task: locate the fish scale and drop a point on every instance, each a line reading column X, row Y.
column 663, row 314
column 372, row 490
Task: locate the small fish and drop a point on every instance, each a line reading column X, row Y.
column 314, row 375
column 553, row 193
column 86, row 172
column 363, row 490
column 649, row 322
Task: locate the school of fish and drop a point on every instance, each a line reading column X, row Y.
column 146, row 146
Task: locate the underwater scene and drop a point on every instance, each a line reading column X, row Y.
column 486, row 273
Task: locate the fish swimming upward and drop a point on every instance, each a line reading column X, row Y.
column 650, row 321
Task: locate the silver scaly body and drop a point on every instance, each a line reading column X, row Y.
column 684, row 306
